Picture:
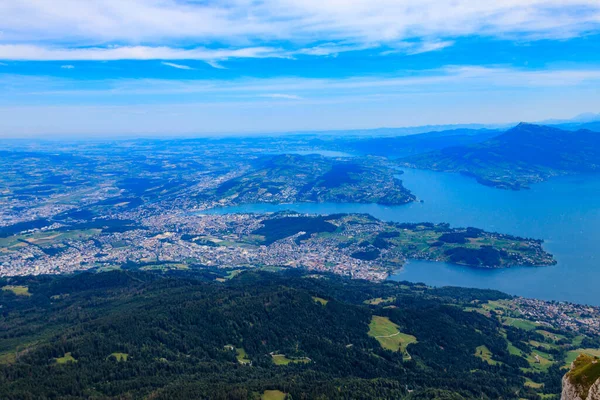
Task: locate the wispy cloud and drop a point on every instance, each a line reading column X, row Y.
column 215, row 64
column 68, row 66
column 25, row 52
column 412, row 48
column 178, row 66
column 281, row 96
column 426, row 47
column 333, row 49
column 3, row 64
column 446, row 79
column 263, row 26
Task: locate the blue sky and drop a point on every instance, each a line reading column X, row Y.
column 173, row 67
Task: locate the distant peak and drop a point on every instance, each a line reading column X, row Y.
column 524, row 124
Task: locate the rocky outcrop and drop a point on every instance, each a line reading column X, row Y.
column 571, row 392
column 594, row 391
column 582, row 382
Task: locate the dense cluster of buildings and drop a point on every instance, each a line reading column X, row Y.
column 569, row 316
column 209, row 240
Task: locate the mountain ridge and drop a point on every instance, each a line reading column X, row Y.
column 523, row 155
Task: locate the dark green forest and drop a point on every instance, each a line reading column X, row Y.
column 134, row 334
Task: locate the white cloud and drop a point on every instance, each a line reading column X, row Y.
column 67, row 66
column 412, row 48
column 25, row 52
column 426, row 47
column 178, row 66
column 333, row 49
column 215, row 64
column 75, row 29
column 281, row 96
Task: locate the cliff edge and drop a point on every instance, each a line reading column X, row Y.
column 582, row 382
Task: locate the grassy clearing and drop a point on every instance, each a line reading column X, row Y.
column 7, row 358
column 233, row 274
column 520, row 323
column 389, row 336
column 53, row 237
column 273, row 395
column 532, row 384
column 573, row 354
column 514, row 350
column 18, row 290
column 165, row 267
column 554, row 336
column 577, row 340
column 320, row 300
column 120, row 356
column 380, row 300
column 539, row 361
column 543, row 346
column 485, row 354
column 280, row 359
column 242, row 356
column 67, row 358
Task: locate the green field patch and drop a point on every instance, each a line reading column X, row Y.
column 485, row 354
column 67, row 358
column 389, row 336
column 577, row 340
column 233, row 274
column 165, row 267
column 273, row 395
column 120, row 356
column 515, row 351
column 573, row 354
column 7, row 358
column 380, row 300
column 554, row 336
column 539, row 361
column 54, row 237
column 320, row 300
column 18, row 290
column 481, row 311
column 242, row 356
column 543, row 346
column 532, row 384
column 520, row 323
column 281, row 359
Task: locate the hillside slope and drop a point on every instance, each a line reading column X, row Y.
column 144, row 335
column 292, row 178
column 521, row 156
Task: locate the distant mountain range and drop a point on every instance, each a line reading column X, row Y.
column 403, row 146
column 519, row 157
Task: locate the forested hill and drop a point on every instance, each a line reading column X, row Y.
column 187, row 336
column 521, row 156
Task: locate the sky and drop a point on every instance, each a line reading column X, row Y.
column 200, row 67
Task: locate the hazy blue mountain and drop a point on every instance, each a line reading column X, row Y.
column 522, row 155
column 402, row 146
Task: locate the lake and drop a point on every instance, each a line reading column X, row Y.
column 565, row 212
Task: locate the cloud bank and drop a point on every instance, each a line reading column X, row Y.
column 211, row 30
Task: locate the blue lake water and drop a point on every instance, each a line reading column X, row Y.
column 565, row 212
